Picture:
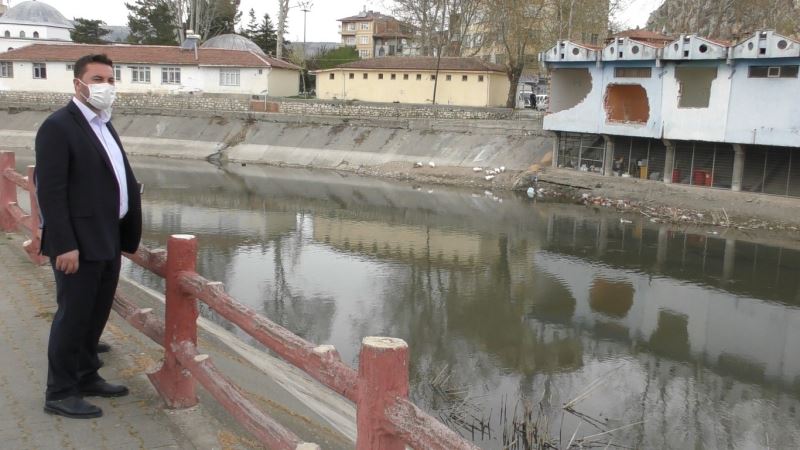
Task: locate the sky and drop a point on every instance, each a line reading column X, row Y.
column 321, row 19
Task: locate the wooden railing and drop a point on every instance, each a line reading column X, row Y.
column 386, row 419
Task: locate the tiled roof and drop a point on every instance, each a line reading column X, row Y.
column 145, row 54
column 643, row 35
column 424, row 63
column 368, row 15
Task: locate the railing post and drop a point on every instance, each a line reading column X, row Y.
column 8, row 192
column 382, row 378
column 36, row 222
column 173, row 382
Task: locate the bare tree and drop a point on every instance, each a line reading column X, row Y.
column 283, row 13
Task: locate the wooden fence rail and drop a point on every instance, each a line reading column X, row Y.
column 386, row 419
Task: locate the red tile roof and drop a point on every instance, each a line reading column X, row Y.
column 644, row 35
column 423, row 63
column 146, row 54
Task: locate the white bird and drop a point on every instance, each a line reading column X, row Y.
column 531, row 192
column 417, row 164
column 624, row 221
column 489, row 177
column 502, row 169
column 432, row 164
column 487, row 193
column 477, row 169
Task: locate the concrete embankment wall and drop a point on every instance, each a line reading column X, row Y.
column 313, row 141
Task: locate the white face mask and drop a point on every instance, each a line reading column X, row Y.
column 101, row 95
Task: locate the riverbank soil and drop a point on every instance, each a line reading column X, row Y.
column 669, row 203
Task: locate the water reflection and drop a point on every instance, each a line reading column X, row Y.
column 512, row 299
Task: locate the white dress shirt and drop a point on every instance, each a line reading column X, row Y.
column 98, row 123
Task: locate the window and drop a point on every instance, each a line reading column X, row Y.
column 117, row 74
column 433, row 77
column 228, row 77
column 419, row 77
column 6, row 69
column 170, row 75
column 448, row 77
column 464, row 78
column 36, row 35
column 365, row 25
column 7, row 34
column 40, row 71
column 365, row 76
column 331, row 76
column 480, row 78
column 394, row 76
column 632, row 72
column 773, row 72
column 405, row 76
column 351, row 27
column 352, row 76
column 380, row 76
column 364, row 40
column 22, row 34
column 351, row 40
column 363, row 53
column 140, row 74
column 70, row 67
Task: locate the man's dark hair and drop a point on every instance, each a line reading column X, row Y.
column 80, row 64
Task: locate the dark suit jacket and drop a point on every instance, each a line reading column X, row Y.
column 78, row 191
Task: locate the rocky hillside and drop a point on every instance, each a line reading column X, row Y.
column 726, row 19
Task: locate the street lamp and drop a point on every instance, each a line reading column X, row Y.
column 305, row 6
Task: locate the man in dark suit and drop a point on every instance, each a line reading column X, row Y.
column 91, row 211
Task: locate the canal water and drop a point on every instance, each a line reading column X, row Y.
column 686, row 339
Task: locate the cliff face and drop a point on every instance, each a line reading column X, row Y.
column 726, row 19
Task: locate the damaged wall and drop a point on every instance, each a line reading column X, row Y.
column 568, row 88
column 688, row 84
column 627, row 103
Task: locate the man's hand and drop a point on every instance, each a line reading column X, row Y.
column 67, row 262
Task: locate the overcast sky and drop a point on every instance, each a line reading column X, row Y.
column 321, row 26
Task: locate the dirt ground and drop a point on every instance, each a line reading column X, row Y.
column 661, row 202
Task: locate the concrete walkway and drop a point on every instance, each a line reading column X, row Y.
column 137, row 421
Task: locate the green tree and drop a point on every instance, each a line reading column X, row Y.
column 89, row 31
column 327, row 59
column 151, row 22
column 227, row 15
column 262, row 33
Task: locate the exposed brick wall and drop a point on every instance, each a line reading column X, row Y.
column 233, row 103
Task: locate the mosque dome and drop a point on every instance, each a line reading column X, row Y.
column 33, row 12
column 232, row 42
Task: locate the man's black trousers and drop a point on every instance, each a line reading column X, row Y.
column 84, row 303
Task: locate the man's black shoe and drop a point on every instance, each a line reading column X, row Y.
column 73, row 407
column 103, row 347
column 102, row 388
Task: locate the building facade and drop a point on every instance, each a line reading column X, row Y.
column 458, row 81
column 32, row 22
column 695, row 111
column 375, row 35
column 152, row 69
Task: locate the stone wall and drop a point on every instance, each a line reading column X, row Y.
column 228, row 103
column 242, row 104
column 392, row 110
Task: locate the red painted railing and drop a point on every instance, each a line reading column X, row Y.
column 386, row 419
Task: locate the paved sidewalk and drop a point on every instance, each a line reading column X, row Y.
column 137, row 421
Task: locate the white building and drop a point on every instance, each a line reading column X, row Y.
column 701, row 111
column 152, row 69
column 32, row 22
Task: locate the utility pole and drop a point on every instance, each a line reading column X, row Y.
column 305, row 6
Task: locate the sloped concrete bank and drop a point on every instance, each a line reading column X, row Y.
column 354, row 144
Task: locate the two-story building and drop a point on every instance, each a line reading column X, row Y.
column 375, row 35
column 152, row 69
column 695, row 111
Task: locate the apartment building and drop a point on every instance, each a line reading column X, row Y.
column 375, row 35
